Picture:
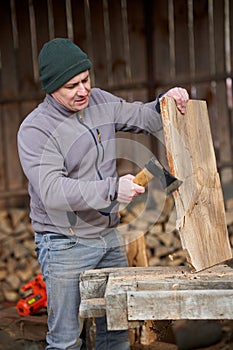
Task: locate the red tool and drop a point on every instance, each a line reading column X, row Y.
column 35, row 301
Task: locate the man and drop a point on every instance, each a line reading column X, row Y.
column 67, row 150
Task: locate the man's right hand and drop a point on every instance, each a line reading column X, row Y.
column 127, row 190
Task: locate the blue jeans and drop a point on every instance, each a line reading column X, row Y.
column 62, row 259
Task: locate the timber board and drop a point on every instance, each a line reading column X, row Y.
column 199, row 203
column 157, row 293
column 180, row 304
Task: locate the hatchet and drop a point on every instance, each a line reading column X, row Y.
column 155, row 169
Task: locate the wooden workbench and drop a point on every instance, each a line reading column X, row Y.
column 127, row 295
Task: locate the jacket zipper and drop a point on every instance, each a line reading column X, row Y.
column 100, row 143
column 79, row 117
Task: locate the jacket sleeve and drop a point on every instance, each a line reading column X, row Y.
column 138, row 117
column 43, row 165
column 135, row 117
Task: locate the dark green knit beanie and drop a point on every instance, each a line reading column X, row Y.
column 59, row 61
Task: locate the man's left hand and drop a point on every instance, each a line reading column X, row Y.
column 180, row 96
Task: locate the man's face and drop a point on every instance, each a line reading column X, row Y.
column 75, row 93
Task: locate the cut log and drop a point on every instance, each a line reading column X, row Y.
column 199, row 201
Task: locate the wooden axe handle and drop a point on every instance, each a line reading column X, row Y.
column 143, row 177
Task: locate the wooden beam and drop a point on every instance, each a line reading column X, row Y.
column 116, row 304
column 95, row 307
column 199, row 201
column 180, row 304
column 156, row 293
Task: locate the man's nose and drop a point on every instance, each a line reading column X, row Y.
column 81, row 89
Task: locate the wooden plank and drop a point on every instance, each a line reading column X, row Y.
column 146, row 291
column 98, row 44
column 183, row 284
column 182, row 304
column 231, row 37
column 199, row 201
column 116, row 303
column 132, row 294
column 90, row 279
column 136, row 31
column 135, row 248
column 182, row 57
column 119, row 63
column 202, row 57
column 224, row 132
column 26, row 83
column 161, row 36
column 59, row 18
column 95, row 307
column 8, row 70
column 2, row 153
column 93, row 284
column 79, row 25
column 41, row 16
column 10, row 115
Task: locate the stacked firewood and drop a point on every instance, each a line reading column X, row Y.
column 18, row 263
column 150, row 217
column 155, row 219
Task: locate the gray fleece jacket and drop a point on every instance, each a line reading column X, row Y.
column 70, row 161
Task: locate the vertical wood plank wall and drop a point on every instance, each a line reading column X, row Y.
column 139, row 49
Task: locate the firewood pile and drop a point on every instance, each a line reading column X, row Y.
column 153, row 216
column 18, row 263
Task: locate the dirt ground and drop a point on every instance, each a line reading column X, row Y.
column 28, row 333
column 195, row 335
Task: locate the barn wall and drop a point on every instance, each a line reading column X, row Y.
column 138, row 48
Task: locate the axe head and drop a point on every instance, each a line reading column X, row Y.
column 169, row 182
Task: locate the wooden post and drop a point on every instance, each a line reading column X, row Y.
column 135, row 247
column 199, row 201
